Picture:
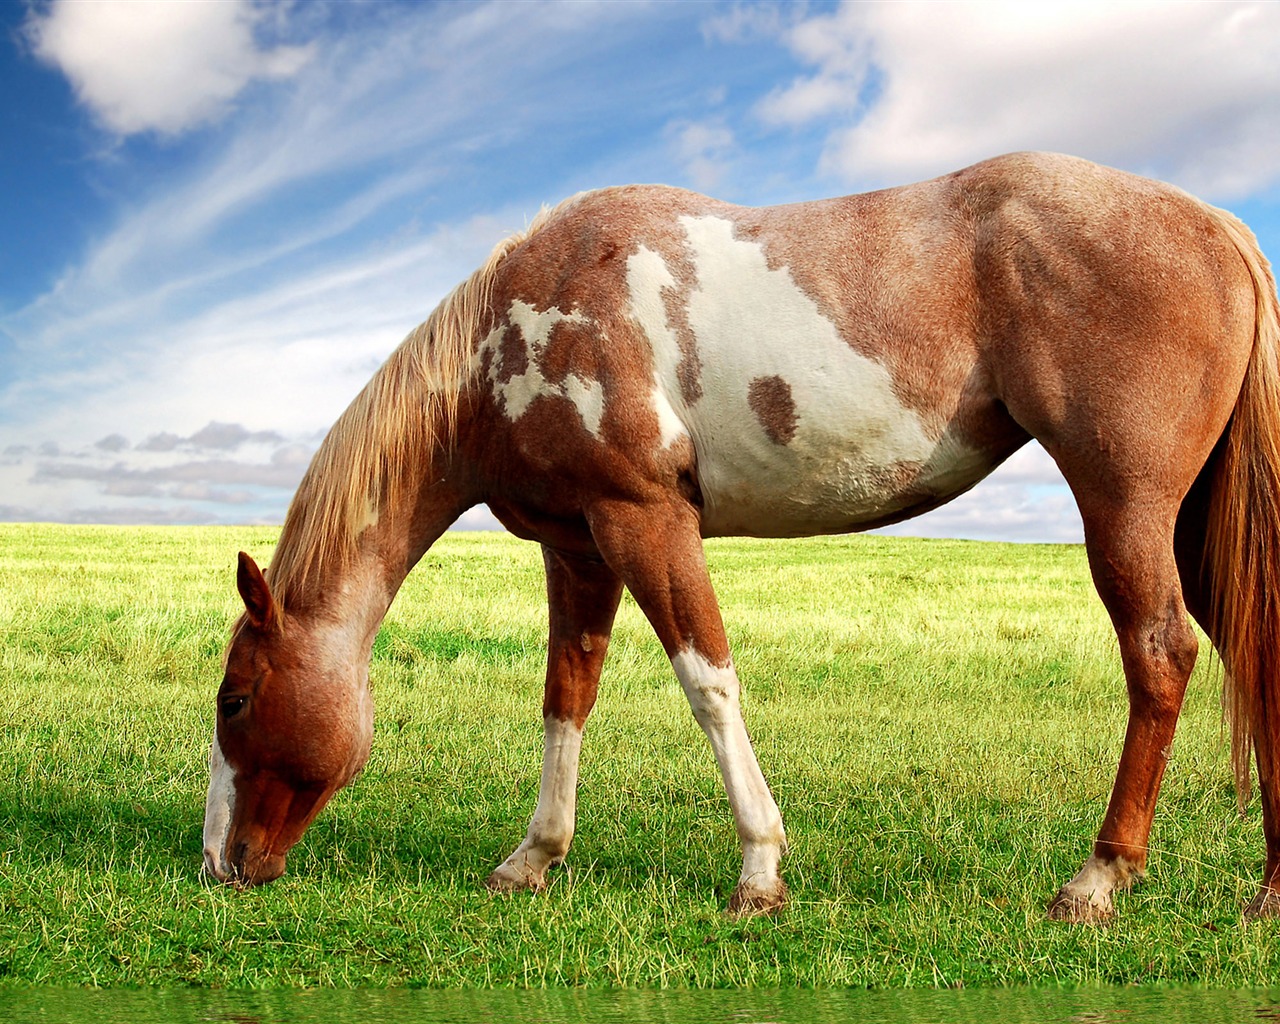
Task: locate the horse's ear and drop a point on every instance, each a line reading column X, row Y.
column 258, row 601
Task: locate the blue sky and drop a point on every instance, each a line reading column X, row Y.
column 220, row 217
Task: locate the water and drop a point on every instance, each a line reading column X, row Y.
column 999, row 1006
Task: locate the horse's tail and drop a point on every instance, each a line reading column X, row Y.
column 1241, row 571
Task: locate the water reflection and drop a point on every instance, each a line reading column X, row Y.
column 1000, row 1006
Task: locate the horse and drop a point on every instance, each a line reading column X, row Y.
column 644, row 367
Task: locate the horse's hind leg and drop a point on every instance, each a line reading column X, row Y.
column 655, row 546
column 583, row 598
column 1130, row 547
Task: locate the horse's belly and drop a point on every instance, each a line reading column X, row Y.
column 830, row 485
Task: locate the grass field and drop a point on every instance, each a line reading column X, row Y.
column 939, row 720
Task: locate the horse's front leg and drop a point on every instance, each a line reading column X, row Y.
column 583, row 598
column 656, row 548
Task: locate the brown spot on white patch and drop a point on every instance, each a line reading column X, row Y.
column 676, row 302
column 770, row 399
column 513, row 355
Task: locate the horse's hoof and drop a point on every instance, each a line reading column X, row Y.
column 1265, row 904
column 1076, row 909
column 509, row 879
column 752, row 902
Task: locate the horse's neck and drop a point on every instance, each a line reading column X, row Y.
column 351, row 602
column 355, row 594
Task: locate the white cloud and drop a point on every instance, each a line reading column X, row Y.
column 807, row 99
column 194, row 479
column 1185, row 91
column 157, row 65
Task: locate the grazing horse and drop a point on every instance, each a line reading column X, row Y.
column 644, row 367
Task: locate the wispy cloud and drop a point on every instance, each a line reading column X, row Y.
column 704, row 149
column 740, row 22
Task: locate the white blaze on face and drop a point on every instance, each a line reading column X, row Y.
column 848, row 434
column 219, row 808
column 519, row 391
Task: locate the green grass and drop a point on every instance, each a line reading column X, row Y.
column 939, row 720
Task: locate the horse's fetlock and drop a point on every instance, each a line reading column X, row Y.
column 554, row 847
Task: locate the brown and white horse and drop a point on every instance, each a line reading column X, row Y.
column 645, row 367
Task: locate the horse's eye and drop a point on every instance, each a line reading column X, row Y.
column 230, row 705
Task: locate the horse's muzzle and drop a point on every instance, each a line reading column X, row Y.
column 244, row 870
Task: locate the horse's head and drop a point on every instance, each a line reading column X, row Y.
column 294, row 724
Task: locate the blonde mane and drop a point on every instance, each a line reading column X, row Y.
column 378, row 446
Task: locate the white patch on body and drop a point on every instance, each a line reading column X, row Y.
column 518, row 393
column 647, row 275
column 219, row 808
column 551, row 828
column 713, row 693
column 843, row 465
